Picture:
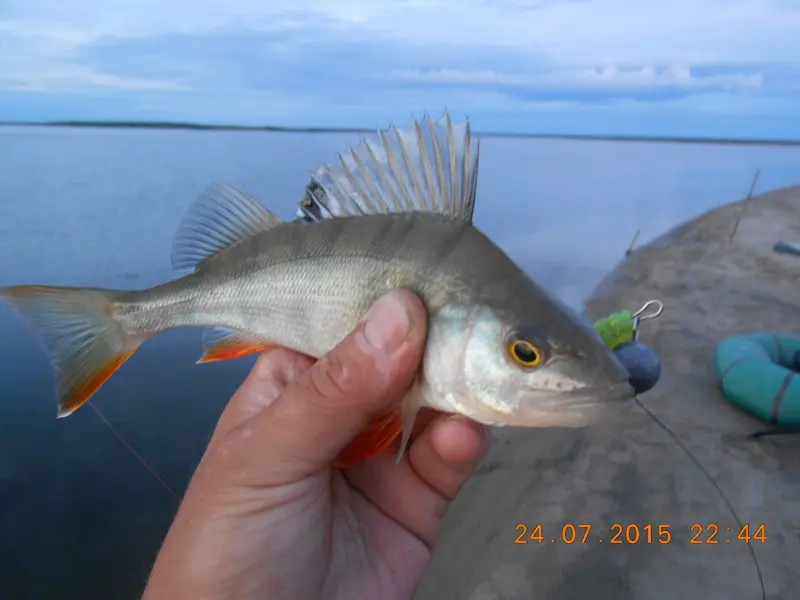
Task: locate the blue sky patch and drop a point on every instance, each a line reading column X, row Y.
column 727, row 68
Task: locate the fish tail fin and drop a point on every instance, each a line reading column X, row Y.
column 80, row 334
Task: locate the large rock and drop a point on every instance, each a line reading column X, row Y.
column 684, row 460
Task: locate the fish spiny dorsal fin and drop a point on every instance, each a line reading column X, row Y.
column 429, row 166
column 222, row 217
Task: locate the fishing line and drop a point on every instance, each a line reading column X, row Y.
column 138, row 456
column 760, row 434
column 622, row 328
column 713, row 481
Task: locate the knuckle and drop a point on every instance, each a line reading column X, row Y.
column 333, row 377
column 264, row 368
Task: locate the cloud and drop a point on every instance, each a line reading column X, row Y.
column 609, row 77
column 511, row 64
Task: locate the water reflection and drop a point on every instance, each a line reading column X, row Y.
column 79, row 515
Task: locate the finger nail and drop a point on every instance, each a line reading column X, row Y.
column 388, row 323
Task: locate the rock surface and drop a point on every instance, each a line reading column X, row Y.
column 684, row 460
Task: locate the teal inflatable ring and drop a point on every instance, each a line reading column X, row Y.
column 757, row 373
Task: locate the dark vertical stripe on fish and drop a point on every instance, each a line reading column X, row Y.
column 383, row 233
column 298, row 241
column 448, row 248
column 400, row 231
column 336, row 236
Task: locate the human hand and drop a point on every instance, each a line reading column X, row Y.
column 267, row 516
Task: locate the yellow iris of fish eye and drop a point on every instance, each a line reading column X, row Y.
column 525, row 353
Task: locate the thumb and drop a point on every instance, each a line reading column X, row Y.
column 322, row 410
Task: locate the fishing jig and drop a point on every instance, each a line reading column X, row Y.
column 622, row 327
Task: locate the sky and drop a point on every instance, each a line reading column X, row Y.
column 718, row 68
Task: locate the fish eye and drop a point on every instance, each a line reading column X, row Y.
column 524, row 353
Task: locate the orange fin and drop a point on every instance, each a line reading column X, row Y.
column 231, row 351
column 78, row 330
column 372, row 441
column 225, row 344
column 83, row 390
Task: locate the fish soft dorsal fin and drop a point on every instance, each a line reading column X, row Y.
column 429, row 166
column 221, row 217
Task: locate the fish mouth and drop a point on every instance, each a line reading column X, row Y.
column 616, row 392
column 579, row 407
column 591, row 404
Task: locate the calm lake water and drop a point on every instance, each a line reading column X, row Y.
column 80, row 517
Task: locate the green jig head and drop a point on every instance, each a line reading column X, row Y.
column 622, row 327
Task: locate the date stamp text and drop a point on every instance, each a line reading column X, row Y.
column 633, row 533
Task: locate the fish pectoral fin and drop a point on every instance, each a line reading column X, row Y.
column 372, row 440
column 409, row 411
column 222, row 217
column 78, row 330
column 429, row 166
column 227, row 344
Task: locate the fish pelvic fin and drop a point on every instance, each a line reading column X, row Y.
column 226, row 344
column 221, row 217
column 372, row 441
column 80, row 335
column 428, row 166
column 378, row 436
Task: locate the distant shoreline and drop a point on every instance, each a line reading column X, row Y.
column 279, row 129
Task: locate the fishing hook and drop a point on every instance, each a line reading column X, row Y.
column 637, row 317
column 640, row 317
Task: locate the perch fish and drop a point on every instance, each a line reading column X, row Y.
column 396, row 212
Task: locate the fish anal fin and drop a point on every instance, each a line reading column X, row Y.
column 372, row 441
column 231, row 351
column 226, row 344
column 428, row 166
column 220, row 218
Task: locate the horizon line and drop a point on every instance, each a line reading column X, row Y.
column 123, row 124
